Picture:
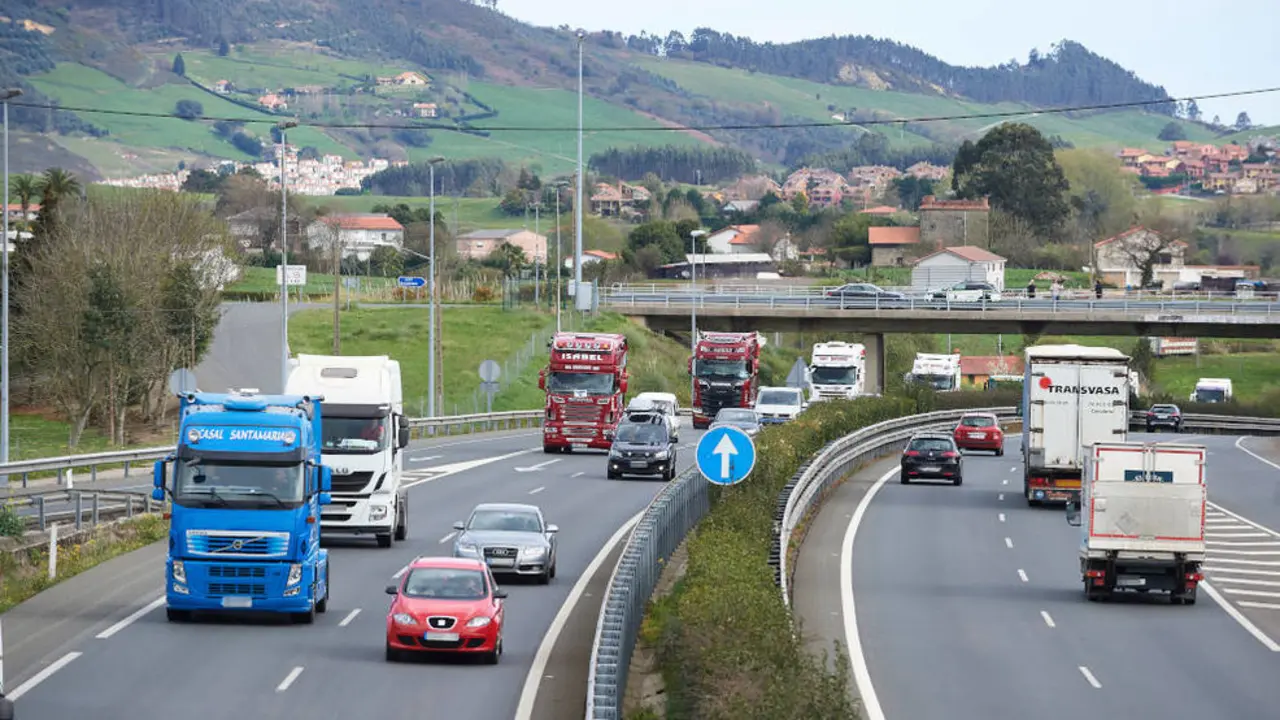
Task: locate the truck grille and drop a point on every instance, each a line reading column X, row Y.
column 218, row 589
column 352, row 483
column 237, row 571
column 237, row 543
column 578, row 412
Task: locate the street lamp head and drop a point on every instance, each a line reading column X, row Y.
column 582, row 35
column 434, row 160
column 10, row 93
column 286, row 124
column 697, row 233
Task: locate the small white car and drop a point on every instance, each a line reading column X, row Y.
column 665, row 403
column 779, row 404
column 969, row 291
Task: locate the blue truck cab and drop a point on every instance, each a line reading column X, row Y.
column 246, row 491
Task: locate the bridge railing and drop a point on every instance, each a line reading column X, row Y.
column 715, row 286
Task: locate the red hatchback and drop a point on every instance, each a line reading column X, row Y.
column 446, row 604
column 979, row 431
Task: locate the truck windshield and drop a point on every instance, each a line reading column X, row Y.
column 736, row 369
column 937, row 382
column 834, row 375
column 590, row 383
column 235, row 484
column 354, row 436
column 1211, row 395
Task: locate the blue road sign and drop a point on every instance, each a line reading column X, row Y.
column 726, row 455
column 411, row 281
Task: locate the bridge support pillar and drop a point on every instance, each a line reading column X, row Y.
column 875, row 363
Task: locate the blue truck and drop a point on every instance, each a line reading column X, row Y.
column 246, row 490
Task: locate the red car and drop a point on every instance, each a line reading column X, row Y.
column 446, row 604
column 979, row 431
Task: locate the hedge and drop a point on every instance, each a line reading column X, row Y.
column 1265, row 404
column 726, row 642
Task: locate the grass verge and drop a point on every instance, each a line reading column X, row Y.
column 725, row 639
column 25, row 574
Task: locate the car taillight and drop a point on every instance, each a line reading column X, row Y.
column 912, row 453
column 1151, row 413
column 950, row 454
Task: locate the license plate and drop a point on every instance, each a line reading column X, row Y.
column 977, row 435
column 931, row 468
column 1131, row 581
column 237, row 602
column 440, row 637
column 639, row 464
column 501, row 562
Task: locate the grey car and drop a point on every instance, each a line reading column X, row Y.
column 512, row 538
column 745, row 419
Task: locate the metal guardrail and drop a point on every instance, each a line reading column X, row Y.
column 1208, row 423
column 82, row 507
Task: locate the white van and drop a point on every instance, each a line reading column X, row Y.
column 664, row 402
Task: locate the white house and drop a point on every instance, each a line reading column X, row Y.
column 1119, row 258
column 723, row 241
column 589, row 257
column 357, row 234
column 952, row 265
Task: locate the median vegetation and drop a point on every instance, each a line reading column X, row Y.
column 725, row 641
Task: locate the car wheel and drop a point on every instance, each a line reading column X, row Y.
column 491, row 658
column 614, row 475
column 959, row 480
column 553, row 569
column 1000, row 452
column 1148, row 427
column 903, row 477
column 393, row 655
column 545, row 577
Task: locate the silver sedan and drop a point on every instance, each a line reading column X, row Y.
column 512, row 538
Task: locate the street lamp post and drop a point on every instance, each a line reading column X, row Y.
column 559, row 262
column 693, row 301
column 283, row 126
column 6, row 96
column 577, row 204
column 431, row 294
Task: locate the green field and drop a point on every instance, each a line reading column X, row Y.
column 1250, row 373
column 1246, row 135
column 80, row 86
column 472, row 213
column 34, row 435
column 250, row 67
column 809, row 99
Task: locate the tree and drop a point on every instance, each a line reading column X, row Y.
column 224, row 48
column 912, row 190
column 386, row 261
column 179, row 65
column 188, row 109
column 509, row 258
column 800, row 203
column 24, row 188
column 1193, row 111
column 1101, row 195
column 1243, row 122
column 1172, row 132
column 1144, row 249
column 1014, row 166
column 660, row 234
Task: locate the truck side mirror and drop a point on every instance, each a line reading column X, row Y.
column 325, row 498
column 622, row 382
column 158, row 480
column 326, row 478
column 402, row 432
column 542, row 379
column 691, row 366
column 1073, row 513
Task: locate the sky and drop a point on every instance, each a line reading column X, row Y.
column 1191, row 48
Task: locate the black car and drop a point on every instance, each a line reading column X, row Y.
column 643, row 448
column 1164, row 416
column 932, row 455
column 864, row 291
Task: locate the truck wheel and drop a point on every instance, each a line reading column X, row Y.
column 177, row 615
column 548, row 450
column 402, row 529
column 384, row 541
column 323, row 605
column 308, row 617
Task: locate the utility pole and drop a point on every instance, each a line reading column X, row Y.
column 537, row 298
column 577, row 204
column 6, row 95
column 559, row 262
column 283, row 125
column 337, row 293
column 431, row 291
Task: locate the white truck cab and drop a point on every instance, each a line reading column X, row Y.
column 1212, row 390
column 663, row 402
column 837, row 371
column 364, row 430
column 779, row 404
column 939, row 372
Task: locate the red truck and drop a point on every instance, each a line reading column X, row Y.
column 726, row 373
column 585, row 381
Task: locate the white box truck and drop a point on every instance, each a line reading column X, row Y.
column 1142, row 518
column 939, row 372
column 1073, row 396
column 364, row 431
column 837, row 371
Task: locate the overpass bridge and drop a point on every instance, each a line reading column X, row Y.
column 800, row 310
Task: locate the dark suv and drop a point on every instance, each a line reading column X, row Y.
column 643, row 445
column 932, row 455
column 1164, row 416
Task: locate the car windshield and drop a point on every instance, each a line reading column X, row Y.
column 445, row 584
column 834, row 375
column 779, row 397
column 221, row 483
column 735, row 369
column 353, row 436
column 568, row 383
column 736, row 416
column 927, row 444
column 977, row 421
column 638, row 434
column 509, row 520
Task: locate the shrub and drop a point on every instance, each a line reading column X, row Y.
column 483, row 294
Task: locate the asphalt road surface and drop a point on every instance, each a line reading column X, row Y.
column 245, row 352
column 968, row 603
column 91, row 647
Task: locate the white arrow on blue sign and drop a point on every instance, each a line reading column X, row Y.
column 411, row 281
column 726, row 455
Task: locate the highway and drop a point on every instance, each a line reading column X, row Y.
column 122, row 659
column 245, row 351
column 970, row 594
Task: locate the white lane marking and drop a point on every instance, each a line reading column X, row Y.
column 1001, row 517
column 1214, row 552
column 43, row 675
column 532, row 681
column 1239, row 617
column 1237, row 561
column 1008, row 542
column 1089, row 676
column 131, row 619
column 1258, row 605
column 1243, row 571
column 1245, row 520
column 455, row 468
column 428, row 457
column 350, row 616
column 448, row 537
column 848, row 608
column 1247, row 543
column 288, row 679
column 539, row 466
column 1022, row 575
column 578, row 474
column 1253, row 593
column 1240, row 446
column 537, row 490
column 1047, row 620
column 401, row 571
column 1001, row 496
column 1013, row 469
column 1004, row 482
column 1224, row 579
column 434, row 446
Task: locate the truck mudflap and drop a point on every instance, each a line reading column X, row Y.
column 1103, row 577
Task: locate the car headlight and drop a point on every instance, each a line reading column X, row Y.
column 295, row 574
column 533, row 552
column 403, row 619
column 662, row 455
column 465, row 549
column 478, row 622
column 179, row 572
column 377, row 512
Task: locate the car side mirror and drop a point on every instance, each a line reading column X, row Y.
column 552, row 529
column 402, row 432
column 459, row 526
column 392, row 590
column 499, row 594
column 326, row 478
column 1073, row 513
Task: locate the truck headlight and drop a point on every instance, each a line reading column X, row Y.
column 478, row 622
column 403, row 619
column 179, row 572
column 295, row 574
column 532, row 552
column 377, row 512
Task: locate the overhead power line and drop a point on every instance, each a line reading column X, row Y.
column 273, row 119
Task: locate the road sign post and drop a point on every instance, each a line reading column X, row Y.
column 489, row 371
column 725, row 456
